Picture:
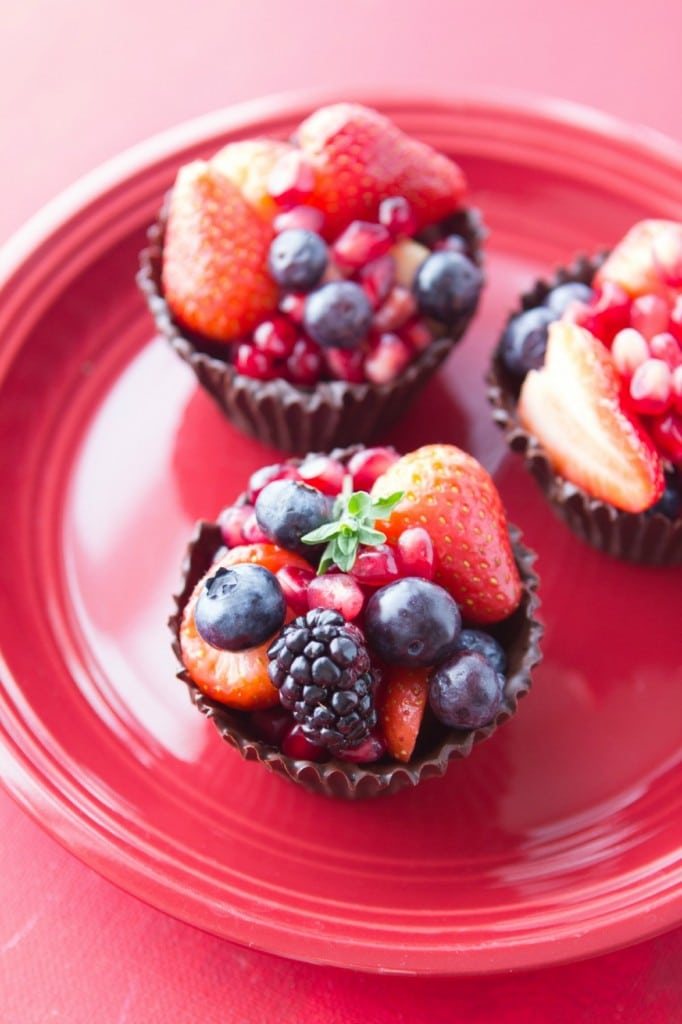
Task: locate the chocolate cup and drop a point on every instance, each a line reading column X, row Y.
column 520, row 636
column 293, row 419
column 648, row 538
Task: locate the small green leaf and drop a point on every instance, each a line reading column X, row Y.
column 368, row 535
column 383, row 507
column 353, row 524
column 321, row 534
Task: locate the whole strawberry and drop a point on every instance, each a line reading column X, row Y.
column 454, row 498
column 360, row 157
column 215, row 278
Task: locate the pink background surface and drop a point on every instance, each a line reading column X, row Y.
column 80, row 82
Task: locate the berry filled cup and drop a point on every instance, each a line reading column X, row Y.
column 586, row 382
column 315, row 285
column 356, row 620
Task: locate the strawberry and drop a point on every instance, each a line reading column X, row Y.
column 214, row 262
column 404, row 694
column 249, row 164
column 237, row 678
column 454, row 498
column 648, row 260
column 361, row 157
column 573, row 407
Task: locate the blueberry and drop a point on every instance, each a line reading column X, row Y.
column 670, row 502
column 465, row 692
column 524, row 342
column 297, row 259
column 447, row 286
column 287, row 509
column 412, row 622
column 561, row 297
column 240, row 607
column 485, row 644
column 338, row 315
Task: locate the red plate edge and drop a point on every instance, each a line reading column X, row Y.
column 18, row 776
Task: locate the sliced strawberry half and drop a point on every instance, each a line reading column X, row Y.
column 361, row 157
column 249, row 163
column 404, row 693
column 572, row 406
column 647, row 261
column 214, row 260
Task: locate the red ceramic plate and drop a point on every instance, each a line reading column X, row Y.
column 558, row 839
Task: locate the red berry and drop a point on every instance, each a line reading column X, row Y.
column 675, row 325
column 253, row 362
column 649, row 314
column 369, row 750
column 417, row 334
column 304, row 365
column 377, row 278
column 387, row 359
column 415, row 553
column 361, row 242
column 608, row 312
column 294, row 583
column 396, row 214
column 252, row 533
column 336, row 590
column 665, row 346
column 266, row 474
column 276, row 337
column 306, row 217
column 651, row 388
column 295, row 744
column 399, row 307
column 324, row 473
column 369, row 464
column 346, row 364
column 629, row 350
column 231, row 521
column 666, row 431
column 272, row 724
column 677, row 389
column 375, row 566
column 291, row 180
column 293, row 304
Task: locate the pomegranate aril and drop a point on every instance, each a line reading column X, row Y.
column 651, row 388
column 371, row 749
column 308, row 218
column 677, row 389
column 305, row 364
column 336, row 590
column 649, row 314
column 675, row 323
column 665, row 346
column 361, row 242
column 397, row 216
column 345, row 364
column 296, row 744
column 629, row 350
column 608, row 312
column 417, row 334
column 254, row 362
column 294, row 583
column 324, row 473
column 293, row 305
column 377, row 278
column 252, row 533
column 367, row 465
column 231, row 521
column 291, row 180
column 276, row 337
column 272, row 724
column 387, row 359
column 399, row 307
column 260, row 478
column 375, row 566
column 416, row 555
column 666, row 431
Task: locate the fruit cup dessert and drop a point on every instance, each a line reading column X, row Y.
column 314, row 285
column 356, row 620
column 586, row 381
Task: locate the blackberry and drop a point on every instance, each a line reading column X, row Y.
column 320, row 665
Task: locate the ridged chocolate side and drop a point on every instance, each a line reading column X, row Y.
column 647, row 538
column 297, row 420
column 520, row 635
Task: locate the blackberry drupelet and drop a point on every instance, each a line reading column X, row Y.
column 321, row 667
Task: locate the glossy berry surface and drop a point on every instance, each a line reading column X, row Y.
column 412, row 622
column 465, row 692
column 524, row 343
column 297, row 259
column 338, row 315
column 448, row 285
column 563, row 295
column 240, row 607
column 287, row 509
column 484, row 644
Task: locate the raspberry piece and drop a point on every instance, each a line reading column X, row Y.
column 321, row 667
